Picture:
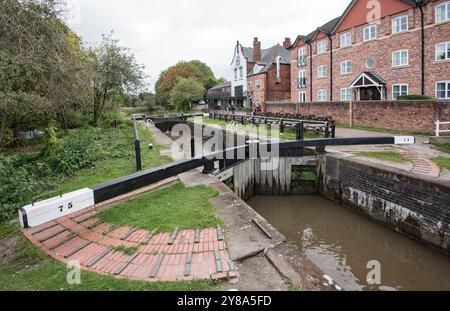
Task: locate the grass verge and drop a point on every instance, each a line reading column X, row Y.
column 442, row 162
column 443, row 147
column 390, row 131
column 385, row 156
column 166, row 209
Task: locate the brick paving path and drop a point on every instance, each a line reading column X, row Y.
column 193, row 254
column 421, row 165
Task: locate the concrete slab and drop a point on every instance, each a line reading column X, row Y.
column 195, row 177
column 257, row 274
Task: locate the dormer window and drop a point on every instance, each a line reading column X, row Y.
column 321, row 47
column 301, row 57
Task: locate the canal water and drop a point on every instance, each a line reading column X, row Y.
column 342, row 243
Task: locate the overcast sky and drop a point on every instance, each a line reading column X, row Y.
column 163, row 32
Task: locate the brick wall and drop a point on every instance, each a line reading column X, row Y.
column 415, row 206
column 396, row 115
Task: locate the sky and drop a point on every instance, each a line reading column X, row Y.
column 162, row 32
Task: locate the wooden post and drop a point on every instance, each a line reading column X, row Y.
column 351, row 114
column 137, row 146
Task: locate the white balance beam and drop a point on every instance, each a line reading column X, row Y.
column 44, row 211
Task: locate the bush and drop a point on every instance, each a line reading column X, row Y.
column 77, row 151
column 112, row 119
column 415, row 97
column 17, row 186
column 76, row 119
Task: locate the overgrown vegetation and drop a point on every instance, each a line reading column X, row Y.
column 390, row 156
column 166, row 209
column 442, row 162
column 80, row 158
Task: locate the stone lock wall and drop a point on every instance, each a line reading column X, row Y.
column 413, row 205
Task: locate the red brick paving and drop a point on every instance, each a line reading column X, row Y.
column 172, row 268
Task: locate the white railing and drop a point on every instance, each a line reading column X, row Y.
column 438, row 128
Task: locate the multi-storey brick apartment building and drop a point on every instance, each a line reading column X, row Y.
column 260, row 75
column 362, row 56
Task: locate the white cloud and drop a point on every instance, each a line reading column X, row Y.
column 160, row 33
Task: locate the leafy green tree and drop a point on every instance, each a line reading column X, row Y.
column 116, row 71
column 169, row 78
column 185, row 92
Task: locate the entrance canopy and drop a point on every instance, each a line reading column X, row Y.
column 368, row 79
column 369, row 86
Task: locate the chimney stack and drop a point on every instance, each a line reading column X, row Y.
column 256, row 50
column 287, row 43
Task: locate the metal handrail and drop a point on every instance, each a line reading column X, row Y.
column 33, row 199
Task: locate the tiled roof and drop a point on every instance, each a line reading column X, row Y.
column 268, row 57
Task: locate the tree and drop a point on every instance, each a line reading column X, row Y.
column 42, row 65
column 186, row 91
column 116, row 70
column 169, row 78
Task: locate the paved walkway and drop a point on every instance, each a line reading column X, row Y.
column 420, row 154
column 179, row 256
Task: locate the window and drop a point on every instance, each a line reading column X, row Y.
column 321, row 47
column 302, row 79
column 400, row 24
column 370, row 32
column 443, row 90
column 443, row 51
column 400, row 58
column 302, row 57
column 322, row 71
column 302, row 97
column 322, row 95
column 443, row 12
column 346, row 67
column 241, row 73
column 235, row 74
column 346, row 39
column 370, row 63
column 250, row 87
column 257, row 85
column 399, row 90
column 346, row 94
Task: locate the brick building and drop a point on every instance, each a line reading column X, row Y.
column 398, row 47
column 260, row 75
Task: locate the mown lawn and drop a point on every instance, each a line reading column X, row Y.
column 385, row 156
column 30, row 269
column 166, row 209
column 442, row 162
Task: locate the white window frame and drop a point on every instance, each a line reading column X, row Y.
column 399, row 25
column 346, row 40
column 322, row 95
column 241, row 73
column 257, row 85
column 345, row 66
column 301, row 74
column 370, row 27
column 394, row 65
column 322, row 71
column 446, row 90
column 446, row 17
column 344, row 94
column 301, row 57
column 446, row 51
column 400, row 85
column 302, row 97
column 322, row 44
